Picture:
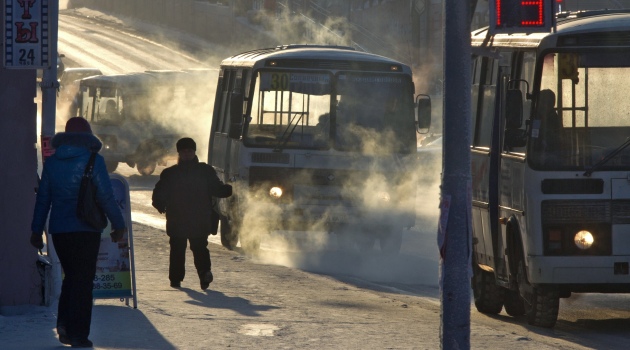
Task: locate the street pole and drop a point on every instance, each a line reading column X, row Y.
column 49, row 87
column 454, row 227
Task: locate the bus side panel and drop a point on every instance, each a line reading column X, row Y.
column 483, row 255
column 236, row 160
column 219, row 154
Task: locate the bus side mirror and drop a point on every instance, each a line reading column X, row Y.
column 514, row 109
column 423, row 113
column 236, row 115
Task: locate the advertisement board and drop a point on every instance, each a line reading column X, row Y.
column 115, row 272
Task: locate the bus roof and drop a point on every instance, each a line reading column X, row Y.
column 568, row 24
column 144, row 80
column 312, row 56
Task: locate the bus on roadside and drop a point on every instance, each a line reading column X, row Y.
column 316, row 138
column 140, row 116
column 550, row 164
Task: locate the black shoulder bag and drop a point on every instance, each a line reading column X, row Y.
column 87, row 207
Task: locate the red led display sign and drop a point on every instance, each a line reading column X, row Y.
column 521, row 16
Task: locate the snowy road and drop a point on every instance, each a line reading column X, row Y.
column 585, row 321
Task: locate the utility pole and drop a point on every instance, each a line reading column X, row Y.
column 50, row 87
column 455, row 225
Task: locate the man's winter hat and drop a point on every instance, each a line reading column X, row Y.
column 78, row 124
column 186, row 143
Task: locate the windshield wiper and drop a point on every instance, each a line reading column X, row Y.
column 284, row 139
column 608, row 157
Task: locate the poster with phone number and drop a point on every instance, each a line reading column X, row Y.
column 114, row 267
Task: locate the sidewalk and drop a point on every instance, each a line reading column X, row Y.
column 251, row 306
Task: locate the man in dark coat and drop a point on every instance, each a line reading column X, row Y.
column 184, row 192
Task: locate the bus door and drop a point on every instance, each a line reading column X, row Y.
column 485, row 77
column 497, row 178
column 220, row 142
column 515, row 85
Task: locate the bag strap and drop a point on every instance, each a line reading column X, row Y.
column 90, row 166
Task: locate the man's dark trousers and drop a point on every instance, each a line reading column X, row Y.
column 201, row 256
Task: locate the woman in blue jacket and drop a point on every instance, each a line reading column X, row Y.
column 76, row 242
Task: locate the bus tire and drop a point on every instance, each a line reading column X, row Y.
column 489, row 297
column 111, row 166
column 541, row 303
column 146, row 167
column 391, row 242
column 513, row 304
column 229, row 233
column 365, row 242
column 250, row 243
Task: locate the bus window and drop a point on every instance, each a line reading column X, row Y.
column 286, row 110
column 476, row 76
column 373, row 114
column 523, row 76
column 226, row 87
column 489, row 69
column 594, row 118
column 527, row 74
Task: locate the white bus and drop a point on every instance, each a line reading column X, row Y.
column 316, row 138
column 140, row 116
column 550, row 166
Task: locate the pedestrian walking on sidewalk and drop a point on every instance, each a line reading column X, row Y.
column 75, row 241
column 184, row 192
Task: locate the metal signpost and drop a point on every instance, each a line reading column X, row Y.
column 455, row 223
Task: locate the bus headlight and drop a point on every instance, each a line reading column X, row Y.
column 383, row 196
column 583, row 239
column 275, row 192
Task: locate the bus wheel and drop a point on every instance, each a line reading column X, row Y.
column 489, row 297
column 513, row 304
column 111, row 166
column 229, row 233
column 250, row 243
column 541, row 303
column 146, row 167
column 391, row 242
column 343, row 240
column 365, row 242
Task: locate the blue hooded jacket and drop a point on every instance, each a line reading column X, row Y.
column 59, row 186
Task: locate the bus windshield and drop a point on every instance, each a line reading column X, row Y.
column 370, row 113
column 582, row 111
